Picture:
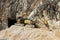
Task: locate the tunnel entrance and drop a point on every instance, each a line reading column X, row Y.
column 11, row 22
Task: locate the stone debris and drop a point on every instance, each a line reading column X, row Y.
column 54, row 24
column 23, row 33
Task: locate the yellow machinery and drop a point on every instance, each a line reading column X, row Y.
column 24, row 20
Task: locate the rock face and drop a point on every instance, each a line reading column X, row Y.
column 24, row 33
column 16, row 8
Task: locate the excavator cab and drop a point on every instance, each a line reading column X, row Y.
column 23, row 20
